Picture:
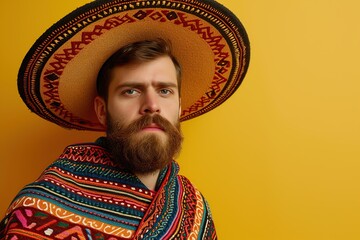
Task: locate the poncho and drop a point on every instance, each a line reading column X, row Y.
column 85, row 195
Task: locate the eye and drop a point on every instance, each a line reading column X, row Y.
column 130, row 92
column 165, row 91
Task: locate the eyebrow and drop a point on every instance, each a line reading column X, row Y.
column 143, row 86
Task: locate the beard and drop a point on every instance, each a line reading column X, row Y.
column 146, row 152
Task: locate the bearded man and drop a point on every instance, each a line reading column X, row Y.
column 126, row 185
column 139, row 104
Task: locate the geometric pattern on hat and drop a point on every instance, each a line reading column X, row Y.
column 57, row 78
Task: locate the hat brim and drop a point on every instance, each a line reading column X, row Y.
column 57, row 79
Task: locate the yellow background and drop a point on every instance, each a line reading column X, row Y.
column 279, row 160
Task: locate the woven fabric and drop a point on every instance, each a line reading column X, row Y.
column 84, row 195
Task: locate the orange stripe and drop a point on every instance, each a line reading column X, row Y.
column 27, row 234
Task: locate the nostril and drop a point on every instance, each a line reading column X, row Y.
column 151, row 110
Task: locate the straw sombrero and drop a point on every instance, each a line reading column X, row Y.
column 57, row 79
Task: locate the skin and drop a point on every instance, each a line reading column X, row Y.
column 139, row 89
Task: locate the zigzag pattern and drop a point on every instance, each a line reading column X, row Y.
column 188, row 219
column 59, row 61
column 29, row 222
column 87, row 154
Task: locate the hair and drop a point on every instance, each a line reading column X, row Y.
column 135, row 53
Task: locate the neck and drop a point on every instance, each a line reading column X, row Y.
column 149, row 179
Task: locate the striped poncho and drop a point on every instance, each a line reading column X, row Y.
column 84, row 195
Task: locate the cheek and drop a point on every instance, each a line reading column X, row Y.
column 124, row 111
column 173, row 113
column 118, row 105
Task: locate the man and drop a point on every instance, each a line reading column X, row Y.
column 139, row 103
column 125, row 185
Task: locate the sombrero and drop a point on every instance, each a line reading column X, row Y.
column 57, row 78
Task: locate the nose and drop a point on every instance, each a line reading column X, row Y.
column 150, row 104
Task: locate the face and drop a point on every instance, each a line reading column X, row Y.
column 136, row 90
column 142, row 111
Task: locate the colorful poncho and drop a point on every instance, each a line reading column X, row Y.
column 84, row 195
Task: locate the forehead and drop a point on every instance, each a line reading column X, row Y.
column 161, row 69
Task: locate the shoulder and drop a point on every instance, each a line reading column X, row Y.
column 76, row 162
column 199, row 205
column 192, row 191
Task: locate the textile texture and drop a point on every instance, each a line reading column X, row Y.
column 84, row 195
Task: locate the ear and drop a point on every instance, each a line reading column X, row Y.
column 100, row 109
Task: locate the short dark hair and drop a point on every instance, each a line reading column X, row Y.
column 137, row 52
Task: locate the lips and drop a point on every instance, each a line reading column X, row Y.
column 153, row 127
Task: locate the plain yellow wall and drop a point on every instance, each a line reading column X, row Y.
column 280, row 160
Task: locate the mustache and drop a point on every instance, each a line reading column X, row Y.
column 145, row 121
